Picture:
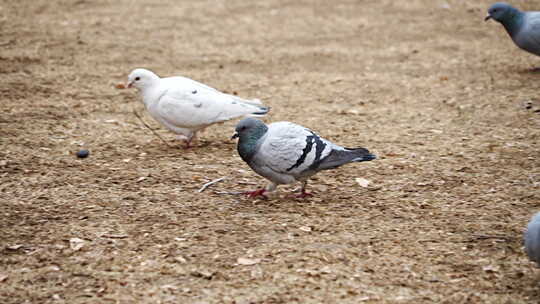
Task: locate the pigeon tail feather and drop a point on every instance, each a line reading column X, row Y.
column 255, row 102
column 262, row 111
column 339, row 157
column 361, row 154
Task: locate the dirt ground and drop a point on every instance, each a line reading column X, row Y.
column 446, row 101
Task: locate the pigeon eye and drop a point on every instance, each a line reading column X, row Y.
column 137, row 78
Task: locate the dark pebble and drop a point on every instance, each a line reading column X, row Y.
column 83, row 153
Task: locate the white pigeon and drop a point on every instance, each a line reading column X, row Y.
column 186, row 106
column 284, row 152
column 532, row 239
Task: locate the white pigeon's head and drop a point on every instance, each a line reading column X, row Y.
column 141, row 78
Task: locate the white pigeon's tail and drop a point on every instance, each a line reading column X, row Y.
column 256, row 105
column 255, row 102
column 261, row 112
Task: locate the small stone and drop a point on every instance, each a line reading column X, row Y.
column 83, row 153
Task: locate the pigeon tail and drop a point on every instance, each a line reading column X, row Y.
column 361, row 155
column 252, row 102
column 339, row 157
column 262, row 111
column 255, row 102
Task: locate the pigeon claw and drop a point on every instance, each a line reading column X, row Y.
column 303, row 194
column 188, row 143
column 256, row 193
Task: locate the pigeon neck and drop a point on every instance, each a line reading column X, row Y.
column 151, row 93
column 513, row 21
column 247, row 143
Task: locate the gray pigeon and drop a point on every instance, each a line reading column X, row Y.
column 532, row 239
column 284, row 152
column 523, row 27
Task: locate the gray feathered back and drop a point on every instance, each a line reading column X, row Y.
column 532, row 239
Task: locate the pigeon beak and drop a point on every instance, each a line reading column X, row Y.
column 487, row 17
column 129, row 84
column 235, row 135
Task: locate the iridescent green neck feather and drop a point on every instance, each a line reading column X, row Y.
column 512, row 20
column 248, row 141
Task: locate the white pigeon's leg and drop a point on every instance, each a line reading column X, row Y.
column 181, row 137
column 190, row 139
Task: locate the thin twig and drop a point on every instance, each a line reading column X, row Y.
column 486, row 237
column 210, row 184
column 153, row 131
column 228, row 192
column 114, row 236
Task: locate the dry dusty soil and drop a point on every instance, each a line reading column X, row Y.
column 446, row 101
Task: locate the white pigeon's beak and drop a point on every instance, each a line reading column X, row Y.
column 129, row 84
column 487, row 17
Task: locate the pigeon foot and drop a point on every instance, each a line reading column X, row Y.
column 302, row 194
column 258, row 192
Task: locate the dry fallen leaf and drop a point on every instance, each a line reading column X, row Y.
column 169, row 287
column 14, row 247
column 53, row 268
column 247, row 261
column 76, row 244
column 305, row 228
column 362, row 182
column 180, row 259
column 120, row 86
column 490, row 269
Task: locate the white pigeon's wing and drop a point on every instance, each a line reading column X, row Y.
column 190, row 82
column 188, row 104
column 291, row 149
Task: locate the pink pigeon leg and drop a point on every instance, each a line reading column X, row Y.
column 303, row 193
column 256, row 193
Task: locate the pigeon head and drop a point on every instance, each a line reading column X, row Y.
column 141, row 78
column 250, row 128
column 249, row 131
column 503, row 13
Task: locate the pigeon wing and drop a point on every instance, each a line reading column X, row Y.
column 292, row 149
column 192, row 105
column 529, row 36
column 187, row 81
